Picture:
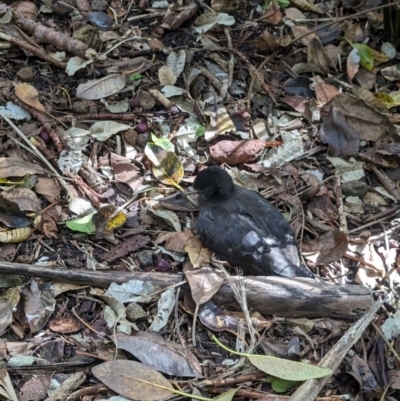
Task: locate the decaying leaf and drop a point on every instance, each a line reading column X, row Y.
column 133, row 380
column 204, row 283
column 328, row 248
column 163, row 355
column 237, row 152
column 323, row 207
column 199, row 255
column 166, row 165
column 103, row 87
column 220, row 123
column 107, row 219
column 166, row 76
column 15, row 167
column 175, row 241
column 29, row 95
column 17, row 235
column 341, row 138
column 103, row 130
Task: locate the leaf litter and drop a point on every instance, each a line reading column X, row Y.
column 115, row 115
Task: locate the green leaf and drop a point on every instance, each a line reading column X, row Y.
column 135, row 77
column 365, row 53
column 163, row 142
column 82, row 224
column 287, row 370
column 280, row 385
column 283, row 3
column 200, row 131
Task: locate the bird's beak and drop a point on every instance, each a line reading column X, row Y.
column 189, row 192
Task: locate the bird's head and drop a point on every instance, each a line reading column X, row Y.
column 214, row 183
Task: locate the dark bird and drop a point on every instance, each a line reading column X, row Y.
column 243, row 228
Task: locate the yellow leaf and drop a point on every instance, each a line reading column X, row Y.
column 166, row 166
column 107, row 219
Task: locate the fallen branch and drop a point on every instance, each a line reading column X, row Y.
column 268, row 295
column 43, row 34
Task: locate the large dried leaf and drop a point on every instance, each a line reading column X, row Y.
column 166, row 165
column 125, row 171
column 15, row 167
column 329, row 247
column 29, row 95
column 103, row 87
column 162, row 355
column 369, row 123
column 133, row 380
column 103, row 130
column 204, row 283
column 26, row 199
column 341, row 138
column 166, row 76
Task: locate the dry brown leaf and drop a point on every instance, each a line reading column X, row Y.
column 331, row 246
column 322, row 207
column 199, row 255
column 165, row 356
column 100, row 88
column 341, row 138
column 368, row 122
column 26, row 199
column 175, row 241
column 272, row 14
column 369, row 98
column 29, row 95
column 166, row 76
column 15, row 167
column 266, row 43
column 49, row 188
column 325, row 92
column 125, row 171
column 237, row 152
column 298, row 31
column 204, row 283
column 316, row 55
column 133, row 380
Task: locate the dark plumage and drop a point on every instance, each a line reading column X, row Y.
column 243, row 228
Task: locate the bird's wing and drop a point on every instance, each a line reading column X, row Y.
column 235, row 236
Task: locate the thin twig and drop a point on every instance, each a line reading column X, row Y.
column 39, row 155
